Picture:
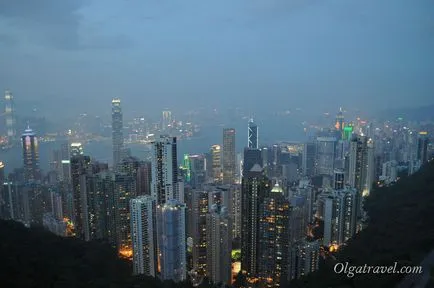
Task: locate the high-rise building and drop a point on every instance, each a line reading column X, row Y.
column 308, row 159
column 325, row 155
column 216, row 160
column 117, row 132
column 219, row 245
column 252, row 156
column 229, row 163
column 255, row 187
column 164, row 170
column 30, row 155
column 166, row 120
column 79, row 166
column 274, row 238
column 422, row 147
column 200, row 209
column 171, row 241
column 361, row 164
column 195, row 169
column 339, row 179
column 339, row 125
column 76, row 149
column 304, row 258
column 142, row 235
column 10, row 121
column 252, row 135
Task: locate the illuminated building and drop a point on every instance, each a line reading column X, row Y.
column 79, row 166
column 10, row 120
column 389, row 172
column 252, row 135
column 199, row 206
column 117, row 132
column 361, row 164
column 339, row 125
column 140, row 171
column 325, row 155
column 76, row 149
column 228, row 159
column 304, row 258
column 165, row 170
column 195, row 169
column 255, row 186
column 171, row 241
column 308, row 159
column 422, row 147
column 274, row 238
column 142, row 235
column 54, row 225
column 216, row 160
column 166, row 120
column 219, row 245
column 338, row 209
column 124, row 191
column 348, row 131
column 30, row 155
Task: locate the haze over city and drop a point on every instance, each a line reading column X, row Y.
column 67, row 57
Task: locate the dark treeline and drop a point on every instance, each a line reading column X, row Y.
column 400, row 229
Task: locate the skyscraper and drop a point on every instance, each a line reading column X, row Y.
column 255, row 186
column 252, row 135
column 361, row 164
column 30, row 155
column 422, row 147
column 325, row 155
column 308, row 159
column 76, row 149
column 10, row 115
column 79, row 166
column 304, row 258
column 274, row 238
column 339, row 125
column 165, row 170
column 229, row 163
column 117, row 133
column 252, row 156
column 142, row 235
column 219, row 245
column 339, row 179
column 216, row 160
column 171, row 241
column 199, row 206
column 166, row 120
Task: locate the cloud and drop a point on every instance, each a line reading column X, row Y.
column 52, row 23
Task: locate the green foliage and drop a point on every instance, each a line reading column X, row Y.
column 399, row 230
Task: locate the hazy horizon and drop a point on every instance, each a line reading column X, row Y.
column 69, row 57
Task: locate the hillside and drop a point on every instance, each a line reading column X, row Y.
column 400, row 229
column 36, row 258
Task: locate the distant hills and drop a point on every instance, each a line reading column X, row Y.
column 400, row 230
column 423, row 113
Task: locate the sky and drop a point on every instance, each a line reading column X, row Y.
column 73, row 56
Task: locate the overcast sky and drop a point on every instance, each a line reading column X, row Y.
column 75, row 55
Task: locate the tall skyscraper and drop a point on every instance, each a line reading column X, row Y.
column 274, row 238
column 229, row 163
column 252, row 156
column 308, row 159
column 10, row 121
column 30, row 155
column 165, row 170
column 339, row 125
column 422, row 147
column 166, row 120
column 76, row 149
column 117, row 132
column 325, row 155
column 198, row 225
column 142, row 235
column 171, row 241
column 255, row 187
column 219, row 245
column 216, row 160
column 304, row 258
column 252, row 135
column 339, row 179
column 79, row 166
column 361, row 164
